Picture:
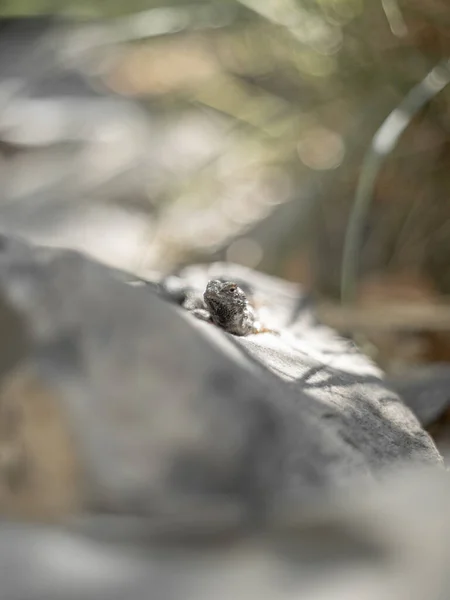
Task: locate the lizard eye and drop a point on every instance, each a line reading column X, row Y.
column 232, row 288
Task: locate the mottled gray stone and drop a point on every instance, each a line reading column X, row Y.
column 168, row 412
column 256, row 462
column 354, row 401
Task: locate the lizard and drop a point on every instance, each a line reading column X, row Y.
column 226, row 305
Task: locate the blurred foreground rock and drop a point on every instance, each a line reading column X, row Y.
column 140, row 426
column 391, row 544
column 123, row 402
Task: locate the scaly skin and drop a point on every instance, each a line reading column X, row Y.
column 229, row 308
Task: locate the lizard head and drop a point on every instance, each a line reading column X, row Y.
column 224, row 295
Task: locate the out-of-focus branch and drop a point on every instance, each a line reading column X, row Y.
column 387, row 317
column 394, row 17
column 383, row 143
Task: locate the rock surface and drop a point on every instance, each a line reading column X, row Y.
column 120, row 401
column 391, row 544
column 172, row 451
column 356, row 403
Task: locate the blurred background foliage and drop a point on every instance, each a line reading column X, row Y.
column 258, row 115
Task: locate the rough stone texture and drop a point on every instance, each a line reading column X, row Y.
column 355, row 403
column 154, row 412
column 172, row 450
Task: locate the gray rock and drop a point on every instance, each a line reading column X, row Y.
column 391, row 543
column 157, row 413
column 179, row 456
column 349, row 391
column 426, row 390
